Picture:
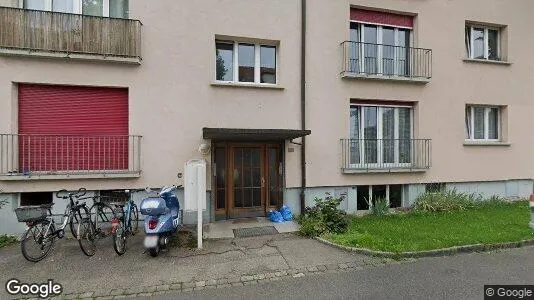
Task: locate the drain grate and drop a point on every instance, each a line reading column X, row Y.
column 254, row 231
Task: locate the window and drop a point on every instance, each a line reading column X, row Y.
column 245, row 62
column 435, row 187
column 482, row 123
column 379, row 49
column 102, row 8
column 366, row 195
column 482, row 42
column 380, row 135
column 114, row 196
column 29, row 199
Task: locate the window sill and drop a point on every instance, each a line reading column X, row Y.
column 486, row 143
column 487, row 61
column 247, row 85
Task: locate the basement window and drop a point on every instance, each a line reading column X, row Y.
column 114, row 196
column 40, row 198
column 435, row 187
column 367, row 195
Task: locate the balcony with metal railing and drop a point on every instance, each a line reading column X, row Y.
column 24, row 157
column 385, row 155
column 386, row 62
column 26, row 32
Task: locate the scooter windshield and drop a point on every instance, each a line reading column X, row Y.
column 167, row 190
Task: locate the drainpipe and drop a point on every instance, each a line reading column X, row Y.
column 303, row 104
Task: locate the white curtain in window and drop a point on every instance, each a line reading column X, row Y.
column 468, row 123
column 93, row 7
column 34, row 4
column 479, row 122
column 118, row 8
column 66, row 6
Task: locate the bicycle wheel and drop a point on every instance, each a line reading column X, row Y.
column 86, row 237
column 101, row 215
column 119, row 239
column 134, row 219
column 38, row 240
column 76, row 218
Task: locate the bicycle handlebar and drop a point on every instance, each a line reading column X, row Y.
column 79, row 193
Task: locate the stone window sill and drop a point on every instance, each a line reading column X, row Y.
column 487, row 61
column 246, row 85
column 488, row 143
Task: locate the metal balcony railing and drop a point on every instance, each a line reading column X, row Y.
column 369, row 155
column 71, row 33
column 386, row 60
column 22, row 154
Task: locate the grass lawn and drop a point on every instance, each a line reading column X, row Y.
column 487, row 224
column 7, row 240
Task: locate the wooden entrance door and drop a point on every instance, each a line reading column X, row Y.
column 255, row 179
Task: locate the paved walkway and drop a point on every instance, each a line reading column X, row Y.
column 221, row 262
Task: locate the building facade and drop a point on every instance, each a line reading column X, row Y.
column 399, row 97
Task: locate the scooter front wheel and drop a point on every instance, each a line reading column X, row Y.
column 119, row 239
column 153, row 251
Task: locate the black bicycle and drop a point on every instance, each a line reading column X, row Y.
column 38, row 239
column 96, row 227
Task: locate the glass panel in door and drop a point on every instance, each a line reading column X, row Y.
column 354, row 48
column 354, row 141
column 405, row 135
column 220, row 178
column 247, row 177
column 402, row 52
column 388, row 135
column 275, row 177
column 370, row 132
column 370, row 52
column 388, row 51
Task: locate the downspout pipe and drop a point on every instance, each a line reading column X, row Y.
column 303, row 105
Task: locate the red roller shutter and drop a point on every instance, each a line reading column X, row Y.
column 380, row 18
column 72, row 128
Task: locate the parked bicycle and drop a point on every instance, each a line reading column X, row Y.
column 98, row 226
column 126, row 223
column 38, row 239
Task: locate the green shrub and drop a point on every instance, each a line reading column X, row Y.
column 7, row 240
column 323, row 217
column 451, row 200
column 380, row 207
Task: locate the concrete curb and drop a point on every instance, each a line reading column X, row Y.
column 431, row 253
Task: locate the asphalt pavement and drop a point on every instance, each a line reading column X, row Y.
column 455, row 277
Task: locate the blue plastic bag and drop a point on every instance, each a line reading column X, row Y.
column 286, row 213
column 275, row 216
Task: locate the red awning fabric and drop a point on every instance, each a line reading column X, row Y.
column 381, row 18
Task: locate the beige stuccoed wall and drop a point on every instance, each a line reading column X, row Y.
column 171, row 98
column 441, row 103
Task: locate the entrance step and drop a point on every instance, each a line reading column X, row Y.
column 226, row 229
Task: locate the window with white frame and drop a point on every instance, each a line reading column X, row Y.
column 379, row 49
column 482, row 123
column 102, row 8
column 483, row 42
column 245, row 62
column 381, row 135
column 367, row 195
